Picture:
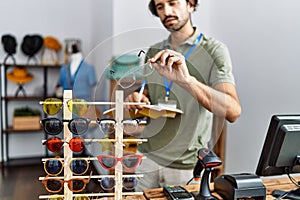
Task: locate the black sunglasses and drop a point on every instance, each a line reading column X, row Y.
column 54, row 126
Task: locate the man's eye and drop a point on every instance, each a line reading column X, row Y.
column 158, row 7
column 173, row 3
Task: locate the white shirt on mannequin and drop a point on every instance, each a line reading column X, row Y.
column 75, row 60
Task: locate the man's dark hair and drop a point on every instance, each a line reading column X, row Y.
column 152, row 7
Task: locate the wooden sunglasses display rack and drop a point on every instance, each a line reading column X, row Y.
column 118, row 150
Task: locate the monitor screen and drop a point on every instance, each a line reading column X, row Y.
column 281, row 149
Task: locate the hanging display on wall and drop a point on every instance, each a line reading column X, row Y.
column 20, row 76
column 9, row 43
column 51, row 48
column 31, row 45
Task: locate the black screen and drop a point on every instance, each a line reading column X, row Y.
column 281, row 147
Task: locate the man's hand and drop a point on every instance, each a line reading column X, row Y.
column 134, row 97
column 222, row 100
column 172, row 65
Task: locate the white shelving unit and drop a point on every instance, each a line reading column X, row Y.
column 118, row 144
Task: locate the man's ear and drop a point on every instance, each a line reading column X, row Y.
column 191, row 6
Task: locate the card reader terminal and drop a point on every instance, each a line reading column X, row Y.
column 177, row 193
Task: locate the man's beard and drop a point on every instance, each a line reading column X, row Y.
column 173, row 27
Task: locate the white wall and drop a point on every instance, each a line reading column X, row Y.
column 87, row 20
column 261, row 35
column 263, row 40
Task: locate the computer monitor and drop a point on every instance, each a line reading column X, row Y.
column 281, row 150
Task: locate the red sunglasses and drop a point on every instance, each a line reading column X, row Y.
column 55, row 144
column 130, row 161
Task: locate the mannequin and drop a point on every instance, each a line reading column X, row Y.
column 75, row 59
column 78, row 75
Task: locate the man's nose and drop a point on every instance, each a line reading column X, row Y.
column 168, row 10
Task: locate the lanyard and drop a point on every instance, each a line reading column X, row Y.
column 168, row 86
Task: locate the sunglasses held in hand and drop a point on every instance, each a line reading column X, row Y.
column 129, row 78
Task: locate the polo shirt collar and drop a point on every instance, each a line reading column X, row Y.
column 190, row 41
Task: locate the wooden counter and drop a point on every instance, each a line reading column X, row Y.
column 271, row 184
column 157, row 193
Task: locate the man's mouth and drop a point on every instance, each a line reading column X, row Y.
column 168, row 20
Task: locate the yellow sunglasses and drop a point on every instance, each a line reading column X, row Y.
column 52, row 106
column 59, row 197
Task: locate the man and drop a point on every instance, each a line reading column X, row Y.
column 194, row 73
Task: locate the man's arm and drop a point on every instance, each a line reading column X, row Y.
column 222, row 100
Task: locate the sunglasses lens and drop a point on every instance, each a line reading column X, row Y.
column 53, row 185
column 55, row 197
column 53, row 167
column 145, row 70
column 130, row 161
column 77, row 106
column 79, row 167
column 76, row 185
column 82, row 198
column 76, row 144
column 51, row 106
column 54, row 144
column 130, row 126
column 52, row 126
column 78, row 126
column 129, row 183
column 107, row 183
column 107, row 162
column 107, row 126
column 127, row 81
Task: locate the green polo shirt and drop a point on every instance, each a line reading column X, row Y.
column 174, row 142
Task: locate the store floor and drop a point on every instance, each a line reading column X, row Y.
column 21, row 182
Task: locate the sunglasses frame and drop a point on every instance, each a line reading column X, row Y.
column 134, row 180
column 58, row 197
column 62, row 164
column 61, row 124
column 123, row 122
column 61, row 142
column 132, row 73
column 138, row 156
column 61, row 181
column 135, row 71
column 60, row 103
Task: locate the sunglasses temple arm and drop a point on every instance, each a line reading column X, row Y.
column 90, row 176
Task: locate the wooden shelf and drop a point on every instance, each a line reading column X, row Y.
column 22, row 98
column 6, row 128
column 31, row 66
column 10, row 129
